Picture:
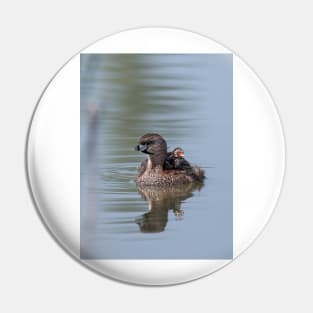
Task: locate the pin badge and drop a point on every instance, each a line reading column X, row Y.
column 155, row 156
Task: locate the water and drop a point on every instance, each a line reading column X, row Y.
column 187, row 98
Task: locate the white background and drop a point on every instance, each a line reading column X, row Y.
column 274, row 38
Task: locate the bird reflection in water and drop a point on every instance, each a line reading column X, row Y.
column 161, row 200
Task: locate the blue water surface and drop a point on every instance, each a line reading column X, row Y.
column 188, row 99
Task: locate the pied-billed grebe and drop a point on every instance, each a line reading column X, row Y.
column 175, row 160
column 153, row 170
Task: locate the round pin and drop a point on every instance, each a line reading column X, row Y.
column 155, row 156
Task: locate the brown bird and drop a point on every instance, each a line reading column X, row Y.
column 164, row 168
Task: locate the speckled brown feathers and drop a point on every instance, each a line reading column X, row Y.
column 154, row 171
